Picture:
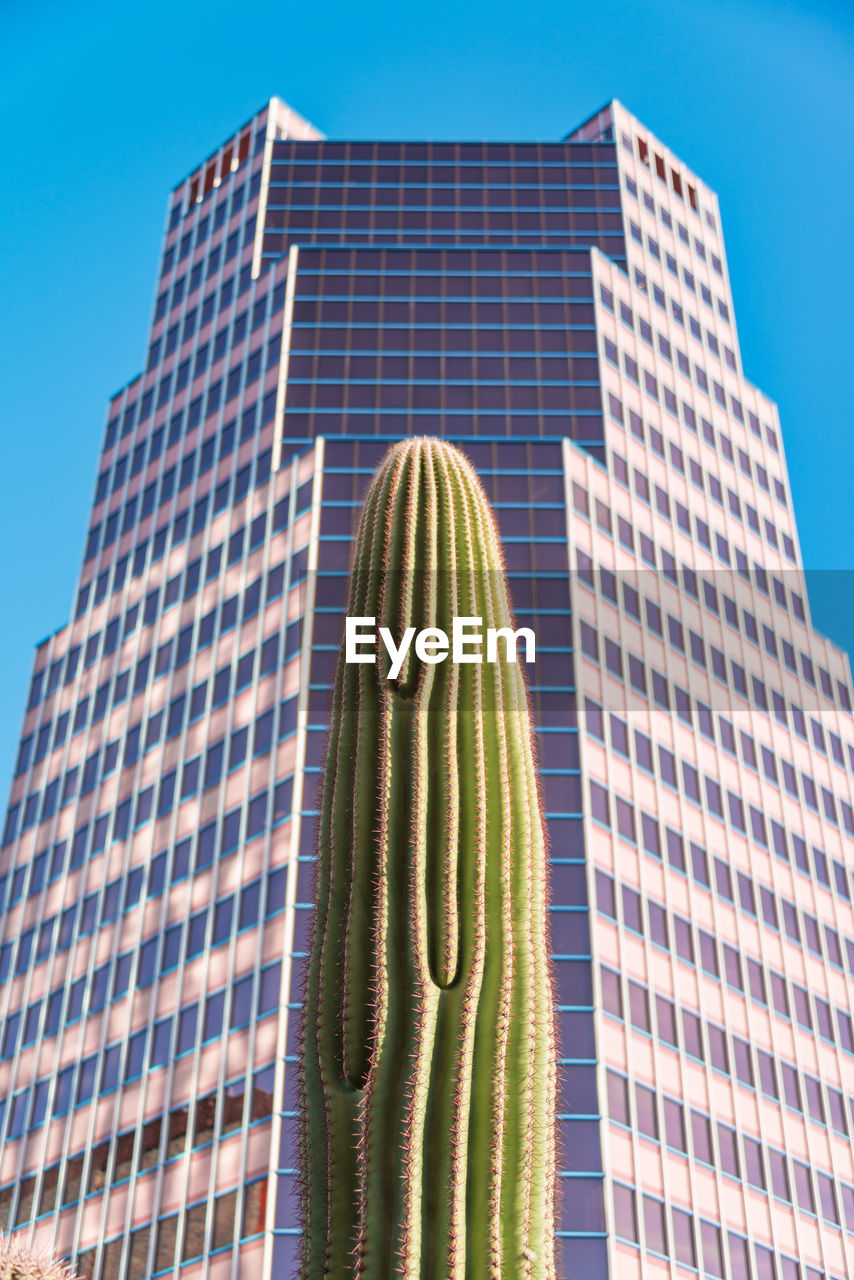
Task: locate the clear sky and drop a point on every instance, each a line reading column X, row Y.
column 106, row 106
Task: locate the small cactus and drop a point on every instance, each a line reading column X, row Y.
column 20, row 1260
column 428, row 1051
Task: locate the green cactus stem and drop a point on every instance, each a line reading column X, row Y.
column 428, row 1055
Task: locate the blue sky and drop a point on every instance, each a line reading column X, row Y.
column 107, row 106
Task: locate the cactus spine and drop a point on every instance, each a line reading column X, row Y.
column 428, row 1063
column 19, row 1260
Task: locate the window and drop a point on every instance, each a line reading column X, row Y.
column 728, row 1146
column 779, row 1176
column 666, row 1020
column 611, row 992
column 753, row 1165
column 625, row 1214
column 702, row 1137
column 683, row 1239
column 803, row 1187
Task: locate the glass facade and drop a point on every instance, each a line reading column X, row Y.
column 562, row 311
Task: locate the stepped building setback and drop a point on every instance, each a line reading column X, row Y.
column 562, row 311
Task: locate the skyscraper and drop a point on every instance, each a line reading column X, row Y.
column 563, row 312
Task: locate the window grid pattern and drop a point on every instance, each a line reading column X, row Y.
column 716, row 783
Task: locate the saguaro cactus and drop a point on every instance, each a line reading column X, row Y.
column 428, row 1063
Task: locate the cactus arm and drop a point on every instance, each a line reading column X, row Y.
column 330, row 1076
column 316, row 1079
